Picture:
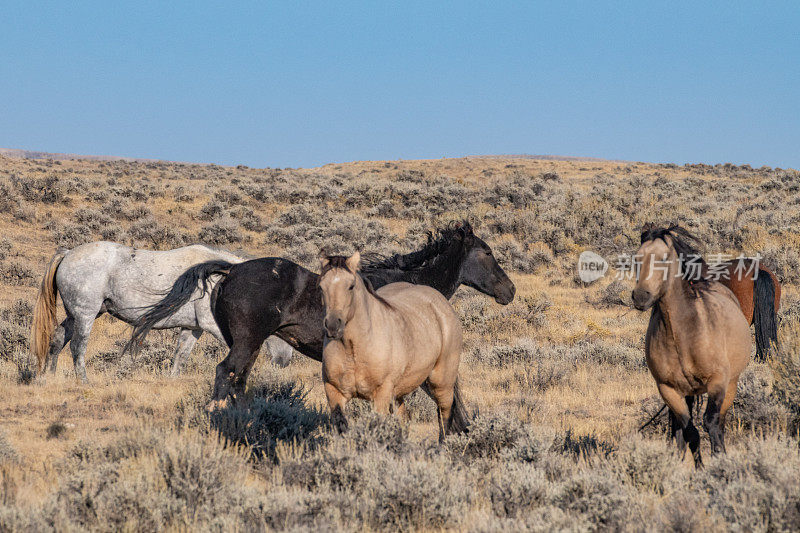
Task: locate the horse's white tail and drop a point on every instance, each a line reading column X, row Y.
column 45, row 312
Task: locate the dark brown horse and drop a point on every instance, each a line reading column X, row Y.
column 759, row 298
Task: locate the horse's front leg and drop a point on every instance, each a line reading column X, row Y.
column 336, row 402
column 713, row 420
column 682, row 417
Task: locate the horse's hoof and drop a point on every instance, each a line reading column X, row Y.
column 216, row 405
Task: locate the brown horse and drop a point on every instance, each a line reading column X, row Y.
column 697, row 341
column 382, row 345
column 759, row 298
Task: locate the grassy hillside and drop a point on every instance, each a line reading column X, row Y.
column 558, row 377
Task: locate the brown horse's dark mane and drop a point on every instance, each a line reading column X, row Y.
column 695, row 276
column 340, row 261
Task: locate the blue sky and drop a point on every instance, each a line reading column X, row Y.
column 307, row 83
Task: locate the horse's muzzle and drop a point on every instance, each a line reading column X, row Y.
column 642, row 299
column 504, row 293
column 334, row 327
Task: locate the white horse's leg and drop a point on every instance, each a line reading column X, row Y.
column 280, row 351
column 186, row 341
column 80, row 339
column 61, row 337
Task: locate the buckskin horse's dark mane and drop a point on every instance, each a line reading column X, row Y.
column 438, row 242
column 681, row 240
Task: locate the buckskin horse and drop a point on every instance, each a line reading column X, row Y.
column 698, row 340
column 381, row 345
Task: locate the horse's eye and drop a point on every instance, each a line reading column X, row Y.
column 352, row 286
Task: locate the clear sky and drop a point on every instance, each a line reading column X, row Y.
column 306, row 83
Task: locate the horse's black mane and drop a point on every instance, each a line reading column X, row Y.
column 694, row 269
column 437, row 243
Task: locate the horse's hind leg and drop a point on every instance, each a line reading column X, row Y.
column 186, row 341
column 383, row 400
column 443, row 394
column 232, row 371
column 80, row 339
column 61, row 337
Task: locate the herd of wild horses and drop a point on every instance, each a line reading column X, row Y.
column 383, row 327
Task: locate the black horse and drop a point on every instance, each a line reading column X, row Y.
column 274, row 296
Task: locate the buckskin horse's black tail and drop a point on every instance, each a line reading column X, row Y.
column 764, row 317
column 459, row 418
column 180, row 294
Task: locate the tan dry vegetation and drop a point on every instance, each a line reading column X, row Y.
column 558, row 376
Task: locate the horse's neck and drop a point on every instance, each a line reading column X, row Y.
column 441, row 273
column 366, row 310
column 675, row 307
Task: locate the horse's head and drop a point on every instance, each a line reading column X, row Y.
column 663, row 256
column 480, row 270
column 338, row 281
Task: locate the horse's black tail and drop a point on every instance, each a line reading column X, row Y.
column 459, row 419
column 764, row 316
column 180, row 294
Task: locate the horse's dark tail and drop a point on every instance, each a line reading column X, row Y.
column 180, row 294
column 459, row 419
column 764, row 316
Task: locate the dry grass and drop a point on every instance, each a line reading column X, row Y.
column 558, row 376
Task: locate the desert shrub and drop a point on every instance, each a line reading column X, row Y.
column 17, row 272
column 211, row 210
column 150, row 482
column 48, row 190
column 648, row 465
column 516, row 489
column 513, row 256
column 418, row 496
column 69, row 235
column 756, row 406
column 492, row 437
column 92, row 218
column 15, row 323
column 220, row 232
column 7, row 451
column 541, row 375
column 156, row 235
column 6, row 247
column 420, row 407
column 248, row 219
column 520, row 191
column 604, row 500
column 277, row 414
column 181, row 195
column 610, row 295
column 154, row 356
column 755, row 485
column 119, row 208
column 228, row 196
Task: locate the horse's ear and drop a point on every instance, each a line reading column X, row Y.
column 354, row 262
column 324, row 260
column 646, row 228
